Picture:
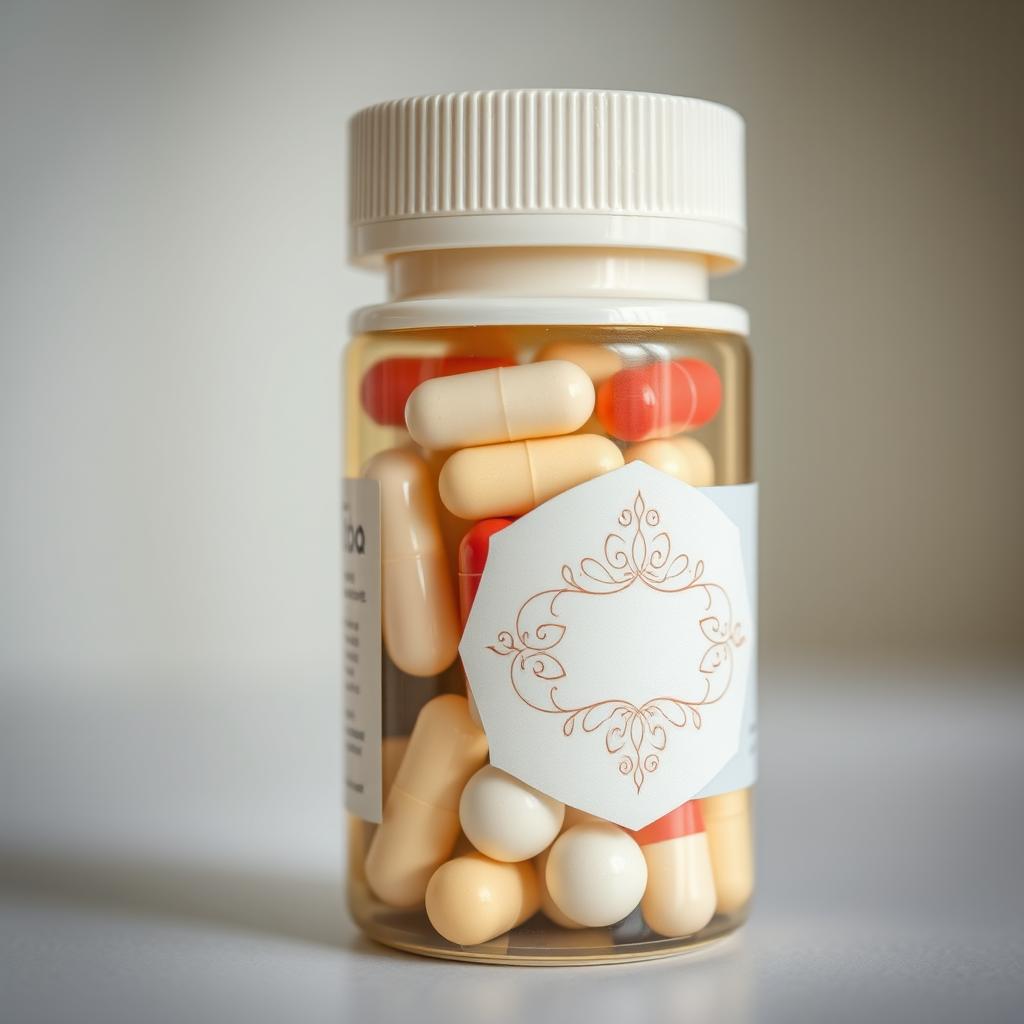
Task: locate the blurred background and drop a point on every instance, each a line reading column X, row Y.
column 173, row 303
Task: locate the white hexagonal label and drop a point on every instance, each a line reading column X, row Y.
column 609, row 645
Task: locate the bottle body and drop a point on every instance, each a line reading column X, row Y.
column 572, row 887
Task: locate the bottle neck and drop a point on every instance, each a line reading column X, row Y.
column 547, row 271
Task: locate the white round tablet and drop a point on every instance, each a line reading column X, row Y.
column 596, row 874
column 506, row 819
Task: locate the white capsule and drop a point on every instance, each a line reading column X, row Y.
column 596, row 874
column 506, row 819
column 509, row 403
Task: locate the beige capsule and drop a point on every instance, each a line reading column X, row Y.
column 510, row 479
column 420, row 616
column 728, row 821
column 682, row 457
column 392, row 752
column 421, row 815
column 508, row 403
column 597, row 361
column 474, row 899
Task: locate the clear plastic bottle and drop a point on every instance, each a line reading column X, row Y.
column 539, row 228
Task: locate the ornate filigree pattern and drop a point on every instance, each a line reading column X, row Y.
column 639, row 553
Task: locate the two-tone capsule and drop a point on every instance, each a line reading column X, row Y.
column 420, row 621
column 680, row 895
column 421, row 815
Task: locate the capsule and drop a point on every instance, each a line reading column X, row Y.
column 473, row 551
column 420, row 622
column 680, row 895
column 392, row 751
column 573, row 816
column 506, row 819
column 421, row 814
column 730, row 837
column 682, row 457
column 595, row 874
column 505, row 404
column 474, row 899
column 510, row 479
column 598, row 362
column 659, row 399
column 387, row 385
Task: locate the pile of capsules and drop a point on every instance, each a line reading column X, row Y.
column 480, row 850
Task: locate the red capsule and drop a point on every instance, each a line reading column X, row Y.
column 387, row 385
column 473, row 552
column 659, row 399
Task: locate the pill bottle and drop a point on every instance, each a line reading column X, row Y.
column 549, row 529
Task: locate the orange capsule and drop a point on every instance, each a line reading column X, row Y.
column 659, row 399
column 680, row 895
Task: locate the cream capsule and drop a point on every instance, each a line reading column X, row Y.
column 680, row 895
column 508, row 403
column 598, row 362
column 421, row 815
column 507, row 819
column 682, row 457
column 595, row 874
column 730, row 836
column 420, row 617
column 510, row 479
column 474, row 899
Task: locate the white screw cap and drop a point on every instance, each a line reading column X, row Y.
column 526, row 167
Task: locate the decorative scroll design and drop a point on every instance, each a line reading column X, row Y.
column 638, row 553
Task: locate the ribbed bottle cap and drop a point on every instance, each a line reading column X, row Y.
column 518, row 167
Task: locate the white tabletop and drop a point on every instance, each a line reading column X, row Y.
column 891, row 881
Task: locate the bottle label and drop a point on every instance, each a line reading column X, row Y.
column 361, row 645
column 611, row 644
